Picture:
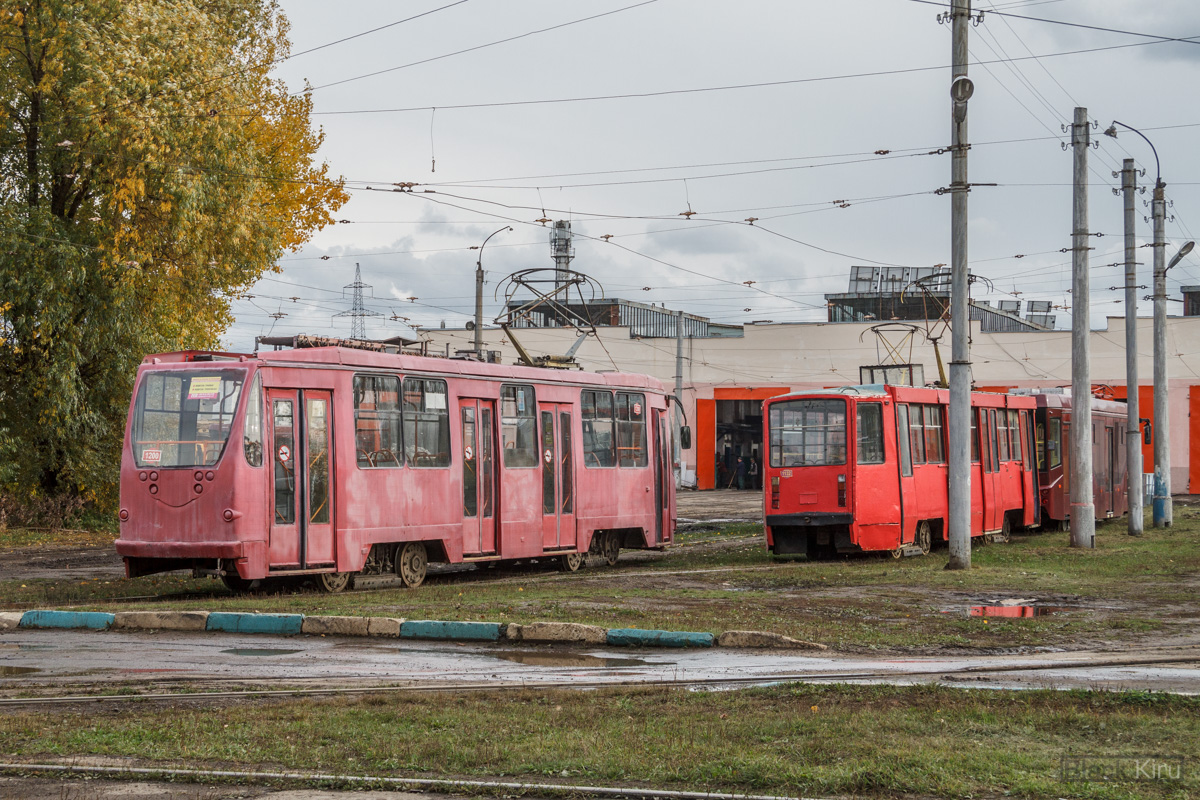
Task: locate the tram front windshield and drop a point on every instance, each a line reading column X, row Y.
column 808, row 433
column 183, row 418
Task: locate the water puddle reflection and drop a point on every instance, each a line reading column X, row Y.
column 259, row 651
column 1017, row 612
column 566, row 659
column 6, row 672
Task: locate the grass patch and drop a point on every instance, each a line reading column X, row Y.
column 56, row 537
column 866, row 741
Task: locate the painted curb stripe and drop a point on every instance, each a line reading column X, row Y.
column 96, row 620
column 432, row 629
column 235, row 622
column 636, row 637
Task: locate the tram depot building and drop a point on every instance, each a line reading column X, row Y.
column 728, row 370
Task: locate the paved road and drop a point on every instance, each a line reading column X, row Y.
column 47, row 658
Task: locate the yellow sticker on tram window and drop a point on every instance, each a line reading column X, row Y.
column 205, row 387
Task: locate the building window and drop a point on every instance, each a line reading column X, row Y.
column 631, row 429
column 599, row 445
column 518, row 426
column 377, row 421
column 426, row 423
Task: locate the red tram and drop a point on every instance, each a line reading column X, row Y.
column 863, row 468
column 1110, row 477
column 331, row 462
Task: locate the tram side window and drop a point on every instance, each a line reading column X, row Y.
column 1002, row 433
column 916, row 433
column 1054, row 443
column 902, row 437
column 598, row 429
column 935, row 451
column 975, row 436
column 807, row 433
column 1014, row 431
column 377, row 421
column 252, row 433
column 426, row 423
column 631, row 430
column 870, row 433
column 518, row 426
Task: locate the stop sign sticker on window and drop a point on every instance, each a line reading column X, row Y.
column 637, row 409
column 469, row 453
column 285, row 453
column 549, row 456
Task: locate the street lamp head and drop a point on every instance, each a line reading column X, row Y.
column 1111, row 130
column 1183, row 251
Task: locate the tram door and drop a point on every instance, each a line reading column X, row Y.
column 662, row 473
column 479, row 476
column 302, row 496
column 992, row 486
column 558, row 477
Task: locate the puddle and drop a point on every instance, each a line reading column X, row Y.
column 566, row 659
column 1017, row 612
column 6, row 672
column 257, row 651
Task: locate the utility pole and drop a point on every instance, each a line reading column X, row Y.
column 1083, row 509
column 1163, row 514
column 678, row 398
column 960, row 318
column 1133, row 441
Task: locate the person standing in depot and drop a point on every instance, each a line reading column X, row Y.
column 753, row 471
column 741, row 472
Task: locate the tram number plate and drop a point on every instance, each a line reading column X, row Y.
column 785, row 473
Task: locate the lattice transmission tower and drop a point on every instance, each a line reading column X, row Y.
column 358, row 313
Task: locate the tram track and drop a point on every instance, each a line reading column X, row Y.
column 874, row 675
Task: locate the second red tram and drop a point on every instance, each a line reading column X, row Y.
column 863, row 468
column 330, row 462
column 1053, row 430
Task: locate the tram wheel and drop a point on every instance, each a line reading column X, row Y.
column 239, row 585
column 570, row 562
column 333, row 582
column 412, row 564
column 1005, row 530
column 610, row 549
column 898, row 552
column 924, row 538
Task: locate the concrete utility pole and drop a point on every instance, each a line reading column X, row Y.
column 1083, row 508
column 960, row 318
column 479, row 295
column 1133, row 439
column 1163, row 514
column 678, row 419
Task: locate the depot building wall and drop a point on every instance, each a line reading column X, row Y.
column 769, row 360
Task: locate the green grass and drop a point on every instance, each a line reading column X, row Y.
column 866, row 741
column 1126, row 590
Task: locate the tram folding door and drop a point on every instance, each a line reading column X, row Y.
column 558, row 477
column 302, row 495
column 479, row 476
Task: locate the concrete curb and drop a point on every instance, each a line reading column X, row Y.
column 96, row 620
column 636, row 637
column 236, row 622
column 459, row 631
column 393, row 627
column 556, row 632
column 161, row 620
column 764, row 639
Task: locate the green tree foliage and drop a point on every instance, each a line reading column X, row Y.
column 150, row 169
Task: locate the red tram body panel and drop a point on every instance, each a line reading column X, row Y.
column 331, row 460
column 863, row 468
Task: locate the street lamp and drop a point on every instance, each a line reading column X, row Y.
column 1163, row 512
column 479, row 295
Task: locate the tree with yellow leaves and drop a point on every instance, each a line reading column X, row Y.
column 150, row 170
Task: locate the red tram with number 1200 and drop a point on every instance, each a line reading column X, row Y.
column 332, row 462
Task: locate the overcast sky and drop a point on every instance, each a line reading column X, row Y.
column 772, row 109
